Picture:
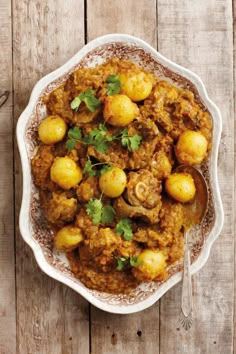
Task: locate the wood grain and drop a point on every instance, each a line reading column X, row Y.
column 198, row 35
column 137, row 333
column 7, row 254
column 234, row 85
column 51, row 318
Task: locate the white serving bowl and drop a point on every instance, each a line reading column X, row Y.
column 33, row 227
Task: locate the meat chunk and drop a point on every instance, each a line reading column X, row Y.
column 59, row 209
column 160, row 165
column 41, row 164
column 88, row 189
column 171, row 216
column 141, row 158
column 115, row 155
column 148, row 215
column 103, row 245
column 153, row 236
column 143, row 189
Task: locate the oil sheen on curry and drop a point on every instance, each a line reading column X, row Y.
column 104, row 166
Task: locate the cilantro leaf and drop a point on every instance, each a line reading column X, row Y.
column 88, row 168
column 74, row 133
column 98, row 212
column 121, row 263
column 76, row 103
column 70, row 144
column 88, row 98
column 134, row 261
column 99, row 138
column 132, row 142
column 108, row 214
column 114, row 85
column 94, row 210
column 124, row 229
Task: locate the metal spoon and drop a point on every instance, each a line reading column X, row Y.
column 194, row 213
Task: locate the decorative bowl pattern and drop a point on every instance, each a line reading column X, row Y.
column 33, row 226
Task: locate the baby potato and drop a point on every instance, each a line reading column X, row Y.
column 113, row 182
column 65, row 172
column 119, row 110
column 152, row 264
column 180, row 186
column 137, row 86
column 68, row 238
column 52, row 130
column 191, row 148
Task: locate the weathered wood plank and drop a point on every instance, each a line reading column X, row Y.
column 51, row 318
column 234, row 84
column 138, row 333
column 7, row 258
column 198, row 35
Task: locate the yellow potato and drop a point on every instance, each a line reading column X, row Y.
column 181, row 187
column 52, row 130
column 191, row 148
column 119, row 110
column 65, row 172
column 113, row 182
column 137, row 86
column 68, row 238
column 152, row 263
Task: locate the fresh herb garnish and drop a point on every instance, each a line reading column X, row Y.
column 74, row 135
column 114, row 85
column 98, row 212
column 122, row 262
column 89, row 168
column 132, row 142
column 88, row 98
column 124, row 229
column 108, row 214
column 99, row 138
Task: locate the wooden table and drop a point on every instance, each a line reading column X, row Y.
column 41, row 316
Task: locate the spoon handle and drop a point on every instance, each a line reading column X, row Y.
column 187, row 299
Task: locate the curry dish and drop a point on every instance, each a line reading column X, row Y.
column 105, row 165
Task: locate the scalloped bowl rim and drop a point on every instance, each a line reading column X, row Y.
column 24, row 219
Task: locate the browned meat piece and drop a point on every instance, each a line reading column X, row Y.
column 160, row 165
column 144, row 127
column 59, row 209
column 58, row 102
column 88, row 189
column 103, row 245
column 143, row 189
column 153, row 236
column 83, row 221
column 113, row 282
column 141, row 158
column 41, row 164
column 129, row 248
column 125, row 210
column 115, row 155
column 84, row 115
column 171, row 216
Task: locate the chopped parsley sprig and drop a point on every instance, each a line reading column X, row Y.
column 114, row 85
column 89, row 168
column 123, row 262
column 98, row 212
column 124, row 229
column 100, row 139
column 89, row 98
